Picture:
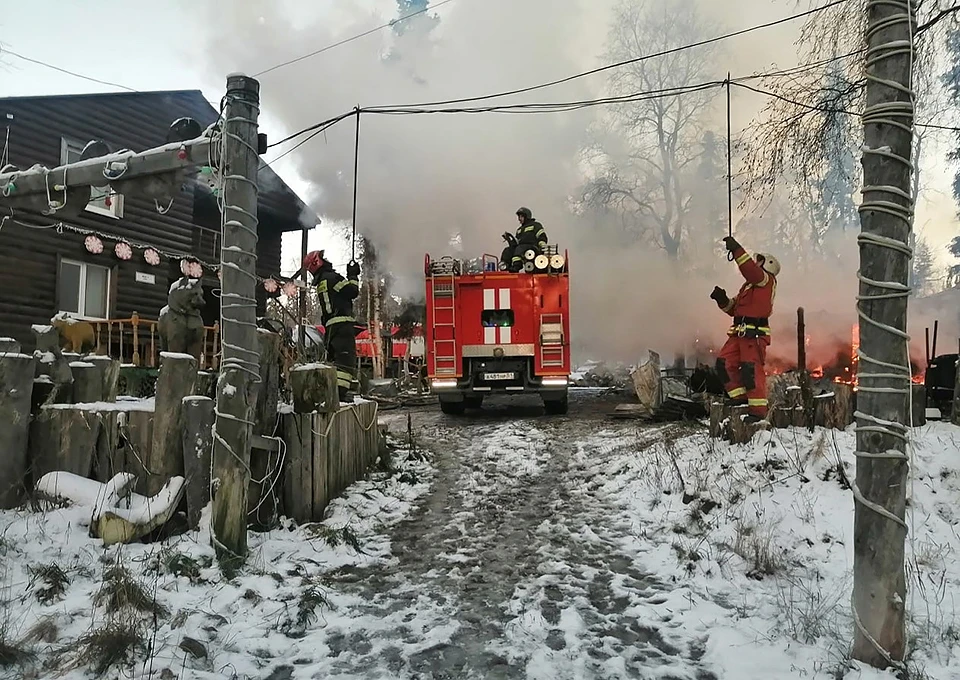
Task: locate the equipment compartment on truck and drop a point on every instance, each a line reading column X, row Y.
column 497, row 332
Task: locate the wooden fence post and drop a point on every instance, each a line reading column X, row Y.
column 16, row 386
column 262, row 505
column 177, row 379
column 197, row 441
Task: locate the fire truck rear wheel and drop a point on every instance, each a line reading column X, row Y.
column 453, row 408
column 556, row 407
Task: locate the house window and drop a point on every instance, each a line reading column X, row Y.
column 84, row 289
column 102, row 201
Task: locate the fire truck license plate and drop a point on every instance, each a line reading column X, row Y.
column 498, row 376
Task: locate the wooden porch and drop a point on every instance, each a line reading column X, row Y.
column 136, row 341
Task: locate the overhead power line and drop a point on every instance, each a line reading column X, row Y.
column 827, row 109
column 4, row 50
column 635, row 60
column 389, row 24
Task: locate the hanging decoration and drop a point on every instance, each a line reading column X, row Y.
column 93, row 244
column 191, row 268
column 151, row 256
column 271, row 286
column 290, row 289
column 123, row 251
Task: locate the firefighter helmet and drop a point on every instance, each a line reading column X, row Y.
column 771, row 265
column 525, row 213
column 313, row 261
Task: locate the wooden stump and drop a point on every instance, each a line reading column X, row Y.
column 109, row 370
column 136, row 444
column 834, row 410
column 63, row 438
column 9, row 346
column 718, row 414
column 919, row 402
column 265, row 473
column 177, row 379
column 314, row 388
column 197, row 418
column 16, row 388
column 87, row 383
column 206, row 384
column 739, row 431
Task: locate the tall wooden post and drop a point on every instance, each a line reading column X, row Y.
column 806, row 389
column 886, row 219
column 302, row 296
column 240, row 367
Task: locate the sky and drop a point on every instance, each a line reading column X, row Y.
column 420, row 177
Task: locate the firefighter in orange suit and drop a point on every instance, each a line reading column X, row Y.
column 740, row 362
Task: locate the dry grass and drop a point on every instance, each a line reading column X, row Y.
column 335, row 537
column 49, row 582
column 114, row 644
column 120, row 591
column 755, row 544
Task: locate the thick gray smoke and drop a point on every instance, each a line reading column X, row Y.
column 424, row 178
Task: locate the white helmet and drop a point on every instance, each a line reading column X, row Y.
column 770, row 264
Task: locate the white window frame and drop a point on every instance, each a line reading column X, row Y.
column 82, row 293
column 116, row 201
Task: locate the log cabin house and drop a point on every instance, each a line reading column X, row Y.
column 47, row 270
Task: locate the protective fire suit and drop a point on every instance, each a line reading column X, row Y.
column 740, row 363
column 529, row 234
column 336, row 295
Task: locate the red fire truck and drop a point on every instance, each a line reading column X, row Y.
column 491, row 331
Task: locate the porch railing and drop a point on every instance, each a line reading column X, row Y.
column 136, row 341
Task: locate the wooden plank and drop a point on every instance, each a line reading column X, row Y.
column 298, row 483
column 109, row 371
column 16, row 388
column 321, row 469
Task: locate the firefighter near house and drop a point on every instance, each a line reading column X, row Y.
column 740, row 363
column 491, row 331
column 336, row 295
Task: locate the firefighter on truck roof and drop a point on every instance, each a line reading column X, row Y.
column 336, row 295
column 530, row 234
column 740, row 363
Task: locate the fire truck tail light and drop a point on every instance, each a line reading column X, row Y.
column 446, row 383
column 560, row 381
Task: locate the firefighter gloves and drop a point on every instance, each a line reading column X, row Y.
column 730, row 243
column 720, row 296
column 353, row 270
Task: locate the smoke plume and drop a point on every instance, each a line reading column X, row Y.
column 424, row 178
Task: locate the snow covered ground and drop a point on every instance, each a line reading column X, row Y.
column 69, row 604
column 758, row 543
column 528, row 547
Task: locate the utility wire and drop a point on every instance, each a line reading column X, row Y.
column 822, row 109
column 4, row 50
column 389, row 24
column 635, row 60
column 553, row 107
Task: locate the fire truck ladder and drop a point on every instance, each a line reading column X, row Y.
column 444, row 317
column 551, row 340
